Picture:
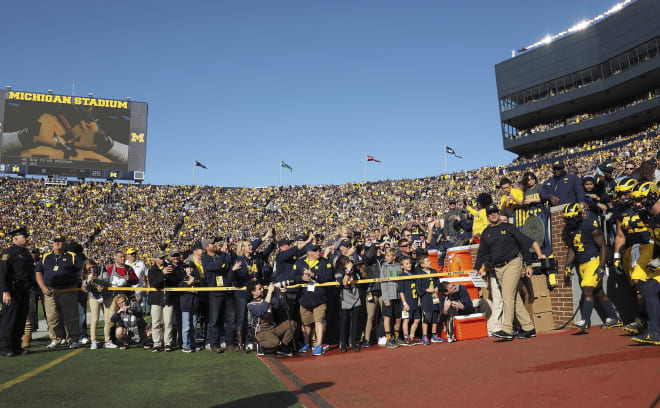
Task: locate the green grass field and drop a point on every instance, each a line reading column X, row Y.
column 139, row 378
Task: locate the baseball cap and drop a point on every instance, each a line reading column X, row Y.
column 605, row 168
column 159, row 253
column 557, row 165
column 59, row 238
column 312, row 247
column 283, row 242
column 130, row 251
column 491, row 209
column 175, row 251
column 345, row 243
column 189, row 264
column 207, row 241
column 197, row 245
column 301, row 237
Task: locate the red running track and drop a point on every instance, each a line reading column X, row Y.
column 556, row 369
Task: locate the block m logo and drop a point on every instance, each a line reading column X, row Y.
column 137, row 137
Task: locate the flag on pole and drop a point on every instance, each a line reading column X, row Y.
column 372, row 158
column 286, row 166
column 198, row 164
column 452, row 151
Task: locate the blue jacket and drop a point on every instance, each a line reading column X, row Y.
column 217, row 272
column 568, row 187
column 189, row 301
column 322, row 272
column 462, row 296
column 284, row 262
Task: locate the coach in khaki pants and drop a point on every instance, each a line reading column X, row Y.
column 160, row 276
column 59, row 275
column 501, row 246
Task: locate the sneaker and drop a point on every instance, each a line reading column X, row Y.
column 168, row 348
column 186, row 350
column 304, row 349
column 208, row 347
column 355, row 347
column 409, row 342
column 425, row 341
column 503, row 335
column 451, row 339
column 283, row 353
column 647, row 338
column 437, row 339
column 527, row 334
column 325, row 347
column 84, row 340
column 611, row 323
column 63, row 342
column 342, row 348
column 399, row 341
column 635, row 327
column 53, row 344
column 249, row 347
column 157, row 349
column 223, row 345
column 365, row 344
column 582, row 326
column 110, row 345
column 392, row 344
column 73, row 345
column 260, row 350
column 318, row 350
column 93, row 346
column 382, row 341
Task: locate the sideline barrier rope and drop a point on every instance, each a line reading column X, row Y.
column 461, row 275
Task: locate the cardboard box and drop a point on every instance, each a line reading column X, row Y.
column 543, row 321
column 541, row 304
column 540, row 286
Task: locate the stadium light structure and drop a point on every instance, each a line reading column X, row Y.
column 582, row 25
column 50, row 91
column 8, row 87
column 90, row 95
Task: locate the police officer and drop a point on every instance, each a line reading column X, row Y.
column 501, row 246
column 59, row 275
column 16, row 277
column 562, row 188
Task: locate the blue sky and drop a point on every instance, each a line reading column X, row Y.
column 241, row 85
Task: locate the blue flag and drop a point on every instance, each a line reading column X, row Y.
column 452, row 151
column 198, row 164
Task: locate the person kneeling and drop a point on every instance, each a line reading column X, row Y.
column 455, row 301
column 270, row 338
column 130, row 325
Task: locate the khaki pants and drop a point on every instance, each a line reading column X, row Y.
column 161, row 320
column 269, row 338
column 495, row 321
column 62, row 316
column 508, row 276
column 95, row 309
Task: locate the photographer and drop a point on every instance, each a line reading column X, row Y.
column 97, row 295
column 162, row 275
column 455, row 300
column 269, row 336
column 130, row 325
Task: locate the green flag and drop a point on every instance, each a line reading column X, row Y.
column 286, row 166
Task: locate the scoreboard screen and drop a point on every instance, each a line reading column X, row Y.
column 72, row 136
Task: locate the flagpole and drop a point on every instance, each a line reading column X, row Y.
column 280, row 174
column 445, row 159
column 194, row 174
column 365, row 169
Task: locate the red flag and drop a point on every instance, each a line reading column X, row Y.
column 372, row 158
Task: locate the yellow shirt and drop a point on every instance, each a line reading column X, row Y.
column 510, row 204
column 480, row 220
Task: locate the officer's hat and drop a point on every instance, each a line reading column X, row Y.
column 59, row 238
column 19, row 231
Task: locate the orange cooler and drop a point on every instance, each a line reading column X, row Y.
column 459, row 259
column 433, row 257
column 469, row 327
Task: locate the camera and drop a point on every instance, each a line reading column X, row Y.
column 97, row 286
column 283, row 284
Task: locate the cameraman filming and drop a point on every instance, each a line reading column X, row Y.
column 269, row 336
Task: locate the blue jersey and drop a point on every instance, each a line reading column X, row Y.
column 409, row 289
column 580, row 239
column 633, row 228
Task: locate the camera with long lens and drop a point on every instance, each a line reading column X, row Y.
column 283, row 284
column 97, row 286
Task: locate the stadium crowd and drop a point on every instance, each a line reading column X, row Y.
column 202, row 236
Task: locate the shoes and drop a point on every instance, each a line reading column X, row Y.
column 22, row 352
column 94, row 346
column 187, row 350
column 208, row 347
column 234, row 348
column 284, row 353
column 157, row 349
column 318, row 350
column 249, row 347
column 365, row 344
column 342, row 348
column 451, row 339
column 74, row 345
column 223, row 345
column 354, row 347
column 382, row 341
column 503, row 335
column 110, row 345
column 53, row 345
column 168, row 348
column 582, row 326
column 611, row 323
column 636, row 327
column 392, row 344
column 260, row 350
column 399, row 341
column 425, row 341
column 7, row 353
column 527, row 334
column 84, row 340
column 647, row 338
column 437, row 339
column 409, row 342
column 304, row 349
column 325, row 347
column 63, row 342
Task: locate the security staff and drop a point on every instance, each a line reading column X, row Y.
column 59, row 274
column 633, row 247
column 647, row 200
column 588, row 251
column 16, row 278
column 562, row 188
column 501, row 246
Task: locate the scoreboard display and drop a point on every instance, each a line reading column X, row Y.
column 72, row 136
